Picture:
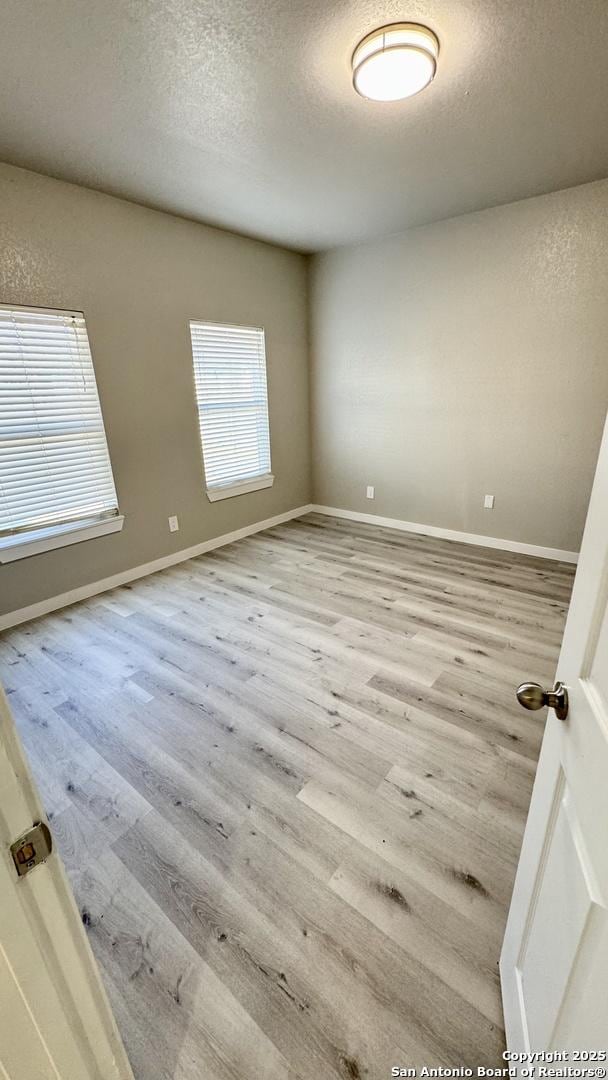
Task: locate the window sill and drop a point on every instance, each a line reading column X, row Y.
column 56, row 536
column 230, row 490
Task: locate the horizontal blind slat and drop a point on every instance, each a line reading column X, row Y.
column 230, row 381
column 54, row 461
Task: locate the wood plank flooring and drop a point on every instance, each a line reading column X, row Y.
column 289, row 781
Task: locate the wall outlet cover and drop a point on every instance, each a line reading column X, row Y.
column 370, row 492
column 173, row 524
column 488, row 502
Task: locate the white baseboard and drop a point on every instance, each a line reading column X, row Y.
column 451, row 534
column 14, row 618
column 54, row 603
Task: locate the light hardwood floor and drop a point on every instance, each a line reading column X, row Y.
column 289, row 781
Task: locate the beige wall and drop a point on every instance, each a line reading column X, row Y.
column 139, row 276
column 464, row 358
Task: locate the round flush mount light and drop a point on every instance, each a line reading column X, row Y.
column 395, row 62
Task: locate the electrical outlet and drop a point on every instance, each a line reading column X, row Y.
column 488, row 502
column 173, row 524
column 371, row 492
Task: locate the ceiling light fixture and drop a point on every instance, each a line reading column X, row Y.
column 395, row 62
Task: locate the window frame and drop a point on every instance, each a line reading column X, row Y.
column 218, row 492
column 24, row 542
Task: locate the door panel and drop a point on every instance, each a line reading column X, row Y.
column 554, row 963
column 560, row 909
column 56, row 1020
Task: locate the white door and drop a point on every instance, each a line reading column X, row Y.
column 55, row 1021
column 554, row 963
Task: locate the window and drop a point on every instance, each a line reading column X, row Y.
column 56, row 483
column 232, row 400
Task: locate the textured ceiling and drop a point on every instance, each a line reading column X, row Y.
column 241, row 113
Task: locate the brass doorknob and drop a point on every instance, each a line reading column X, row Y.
column 532, row 696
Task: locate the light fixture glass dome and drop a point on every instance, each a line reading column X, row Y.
column 395, row 62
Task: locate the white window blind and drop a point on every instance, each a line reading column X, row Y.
column 232, row 399
column 54, row 461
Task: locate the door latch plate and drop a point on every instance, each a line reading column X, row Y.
column 32, row 848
